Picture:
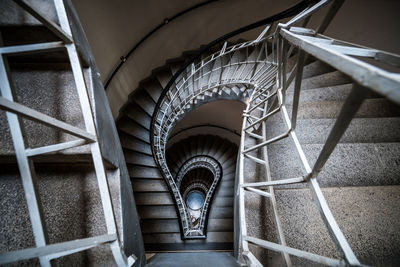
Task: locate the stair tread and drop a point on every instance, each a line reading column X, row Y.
column 149, row 185
column 323, row 80
column 360, row 130
column 156, row 226
column 144, row 172
column 162, row 198
column 349, row 165
column 217, row 237
column 130, row 127
column 192, row 259
column 138, row 115
column 371, row 108
column 134, row 144
column 369, row 214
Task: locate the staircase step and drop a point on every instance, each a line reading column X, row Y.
column 360, row 130
column 323, row 80
column 216, row 259
column 220, row 212
column 316, row 68
column 130, row 127
column 217, row 237
column 157, row 212
column 138, row 115
column 159, row 199
column 329, row 93
column 134, row 144
column 143, row 100
column 153, row 88
column 223, row 202
column 49, row 89
column 172, row 226
column 368, row 217
column 136, row 158
column 163, row 76
column 149, row 185
column 13, row 14
column 224, row 192
column 371, row 108
column 144, row 172
column 362, row 164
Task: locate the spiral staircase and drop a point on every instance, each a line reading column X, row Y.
column 313, row 181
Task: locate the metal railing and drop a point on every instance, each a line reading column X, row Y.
column 44, row 251
column 208, row 79
column 267, row 78
column 265, row 102
column 206, row 162
column 213, row 75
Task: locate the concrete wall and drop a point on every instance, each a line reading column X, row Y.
column 113, row 27
column 223, row 113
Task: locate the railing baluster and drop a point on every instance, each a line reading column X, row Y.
column 297, row 87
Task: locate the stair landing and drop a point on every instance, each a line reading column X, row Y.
column 193, row 259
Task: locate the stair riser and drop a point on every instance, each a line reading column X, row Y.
column 349, row 164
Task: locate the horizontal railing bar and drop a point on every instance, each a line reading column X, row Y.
column 260, row 161
column 43, row 118
column 54, row 148
column 317, row 40
column 293, row 251
column 272, row 140
column 31, row 48
column 352, row 51
column 262, row 101
column 276, row 182
column 257, row 191
column 263, row 118
column 48, row 250
column 250, row 116
column 254, row 135
column 262, row 90
column 46, row 22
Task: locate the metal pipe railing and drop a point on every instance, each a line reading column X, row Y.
column 341, row 56
column 264, row 71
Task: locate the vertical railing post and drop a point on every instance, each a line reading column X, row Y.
column 25, row 165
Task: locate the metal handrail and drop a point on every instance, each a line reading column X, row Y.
column 183, row 96
column 267, row 86
column 175, row 101
column 341, row 56
column 210, row 163
column 270, row 20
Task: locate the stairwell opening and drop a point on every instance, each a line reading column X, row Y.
column 194, row 188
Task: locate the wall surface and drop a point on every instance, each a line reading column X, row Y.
column 113, row 27
column 226, row 114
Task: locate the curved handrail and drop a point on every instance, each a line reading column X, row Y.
column 282, row 15
column 258, row 79
column 204, row 125
column 159, row 26
column 215, row 167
